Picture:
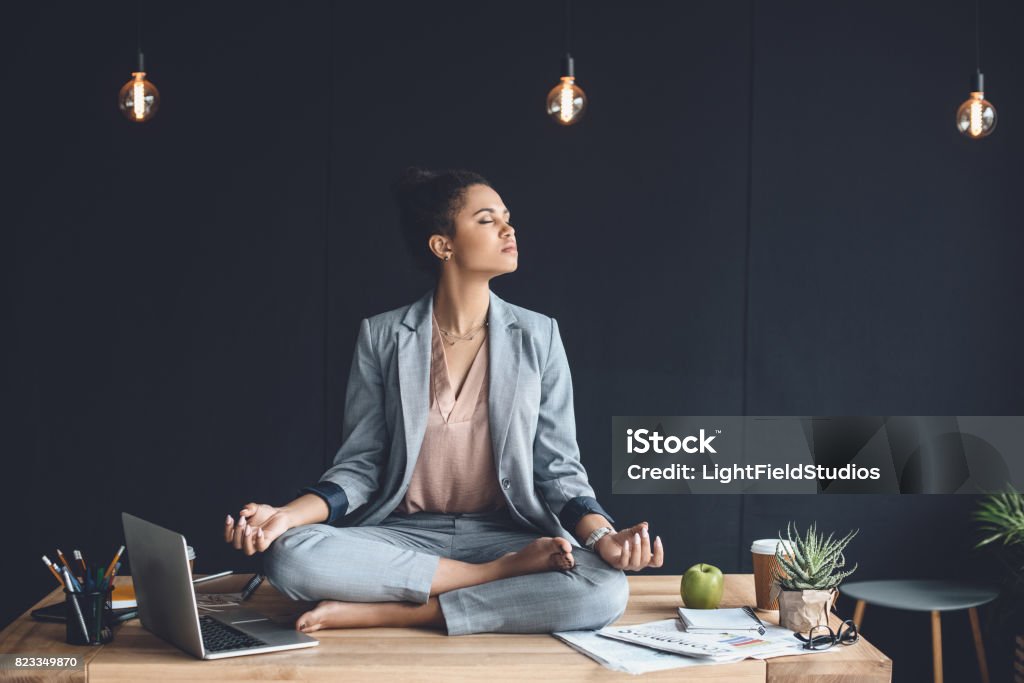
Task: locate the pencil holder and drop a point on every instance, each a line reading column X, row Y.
column 89, row 617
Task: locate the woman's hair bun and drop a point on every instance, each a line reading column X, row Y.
column 427, row 201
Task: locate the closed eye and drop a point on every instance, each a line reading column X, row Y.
column 486, row 210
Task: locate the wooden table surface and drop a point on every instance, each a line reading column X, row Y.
column 419, row 654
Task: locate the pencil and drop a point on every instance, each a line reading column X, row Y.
column 113, row 575
column 81, row 560
column 63, row 560
column 117, row 556
column 53, row 570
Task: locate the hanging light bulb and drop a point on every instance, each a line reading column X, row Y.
column 976, row 118
column 566, row 101
column 139, row 99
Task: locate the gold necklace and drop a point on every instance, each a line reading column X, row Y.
column 456, row 337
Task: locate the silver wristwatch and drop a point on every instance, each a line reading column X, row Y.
column 596, row 535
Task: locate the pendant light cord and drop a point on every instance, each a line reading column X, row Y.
column 977, row 35
column 138, row 33
column 568, row 26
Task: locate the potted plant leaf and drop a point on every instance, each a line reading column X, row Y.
column 806, row 579
column 1001, row 520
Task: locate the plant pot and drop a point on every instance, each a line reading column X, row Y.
column 803, row 610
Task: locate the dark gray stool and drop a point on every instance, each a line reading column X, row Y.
column 922, row 595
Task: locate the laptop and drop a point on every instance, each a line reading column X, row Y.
column 167, row 602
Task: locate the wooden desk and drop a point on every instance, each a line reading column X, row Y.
column 419, row 654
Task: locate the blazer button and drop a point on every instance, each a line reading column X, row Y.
column 505, row 483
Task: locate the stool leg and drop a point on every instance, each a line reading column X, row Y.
column 978, row 646
column 858, row 613
column 936, row 647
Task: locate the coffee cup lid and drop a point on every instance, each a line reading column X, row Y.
column 767, row 546
column 191, row 552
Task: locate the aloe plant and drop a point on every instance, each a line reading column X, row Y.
column 1002, row 518
column 816, row 562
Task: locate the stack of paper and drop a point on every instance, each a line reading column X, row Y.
column 631, row 658
column 668, row 644
column 670, row 635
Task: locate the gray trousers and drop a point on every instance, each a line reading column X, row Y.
column 396, row 561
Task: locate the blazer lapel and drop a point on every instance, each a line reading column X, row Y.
column 504, row 351
column 414, row 376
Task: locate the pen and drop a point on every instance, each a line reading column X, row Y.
column 117, row 556
column 760, row 624
column 126, row 615
column 53, row 570
column 81, row 560
column 74, row 584
column 98, row 606
column 211, row 577
column 78, row 610
column 251, row 587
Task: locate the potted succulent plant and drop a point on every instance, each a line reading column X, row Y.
column 1001, row 520
column 806, row 578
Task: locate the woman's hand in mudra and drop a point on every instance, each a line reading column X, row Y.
column 257, row 526
column 631, row 549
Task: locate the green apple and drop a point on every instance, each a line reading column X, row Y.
column 701, row 587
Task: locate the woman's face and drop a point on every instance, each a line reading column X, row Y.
column 484, row 239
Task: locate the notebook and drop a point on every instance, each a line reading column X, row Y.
column 727, row 620
column 123, row 596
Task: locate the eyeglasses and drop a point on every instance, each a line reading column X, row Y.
column 822, row 637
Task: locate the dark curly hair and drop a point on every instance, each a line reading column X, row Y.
column 427, row 204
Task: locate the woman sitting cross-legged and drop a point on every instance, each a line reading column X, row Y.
column 457, row 499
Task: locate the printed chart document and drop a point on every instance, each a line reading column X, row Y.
column 217, row 602
column 628, row 658
column 665, row 644
column 670, row 635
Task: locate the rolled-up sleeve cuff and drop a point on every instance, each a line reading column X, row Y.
column 574, row 510
column 333, row 495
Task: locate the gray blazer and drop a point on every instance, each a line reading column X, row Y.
column 530, row 404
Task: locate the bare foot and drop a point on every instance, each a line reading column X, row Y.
column 340, row 614
column 545, row 554
column 336, row 614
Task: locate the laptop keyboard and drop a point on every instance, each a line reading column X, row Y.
column 218, row 636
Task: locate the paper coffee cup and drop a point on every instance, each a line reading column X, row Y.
column 191, row 558
column 765, row 563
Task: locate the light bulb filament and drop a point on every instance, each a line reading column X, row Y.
column 977, row 108
column 567, row 96
column 139, row 95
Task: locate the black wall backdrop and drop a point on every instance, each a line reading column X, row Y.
column 181, row 298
